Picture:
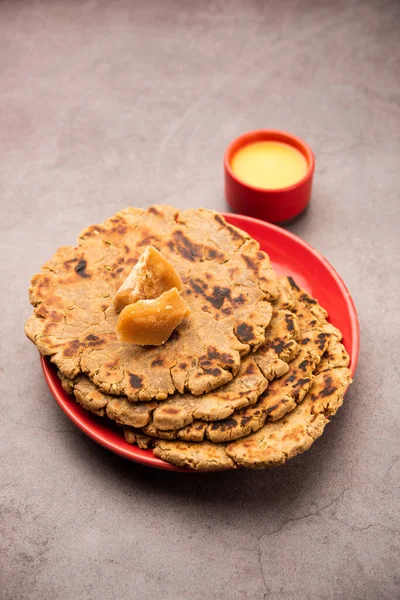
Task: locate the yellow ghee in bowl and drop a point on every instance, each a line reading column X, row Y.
column 269, row 165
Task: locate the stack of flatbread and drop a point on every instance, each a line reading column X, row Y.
column 249, row 379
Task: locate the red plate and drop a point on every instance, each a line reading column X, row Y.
column 289, row 256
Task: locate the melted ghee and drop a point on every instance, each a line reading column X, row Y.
column 269, row 165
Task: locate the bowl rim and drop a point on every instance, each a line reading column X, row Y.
column 258, row 135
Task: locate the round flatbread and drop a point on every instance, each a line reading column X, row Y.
column 228, row 285
column 287, row 418
column 274, row 443
column 284, row 393
column 182, row 410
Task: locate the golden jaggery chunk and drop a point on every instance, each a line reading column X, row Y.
column 151, row 322
column 152, row 275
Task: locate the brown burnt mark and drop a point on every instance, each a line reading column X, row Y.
column 157, row 362
column 303, row 365
column 200, row 426
column 188, row 249
column 93, row 230
column 224, row 425
column 80, row 269
column 182, row 366
column 244, row 420
column 293, row 284
column 261, row 255
column 174, row 336
column 291, row 378
column 251, row 369
column 305, row 341
column 132, row 260
column 55, row 316
column 119, row 226
column 223, row 359
column 71, row 349
column 119, row 270
column 120, row 260
column 278, row 345
column 313, row 322
column 226, row 359
column 68, row 263
column 205, row 363
column 235, row 234
column 218, row 296
column 226, row 311
column 169, row 410
column 127, row 249
column 212, row 352
column 211, row 253
column 208, row 276
column 153, row 211
column 329, row 388
column 257, row 412
column 42, row 311
column 112, row 364
column 92, row 338
column 145, row 241
column 50, row 325
column 135, row 381
column 196, row 286
column 239, row 300
column 245, row 332
column 301, row 382
column 41, row 280
column 220, row 220
column 270, row 409
column 289, row 322
column 251, row 263
column 321, row 342
column 214, row 372
column 233, row 271
column 306, row 298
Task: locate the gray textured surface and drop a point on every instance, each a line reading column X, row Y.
column 104, row 104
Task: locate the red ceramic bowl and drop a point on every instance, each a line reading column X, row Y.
column 273, row 205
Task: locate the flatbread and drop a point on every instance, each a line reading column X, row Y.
column 309, row 312
column 283, row 394
column 257, row 369
column 116, row 408
column 183, row 409
column 228, row 284
column 274, row 443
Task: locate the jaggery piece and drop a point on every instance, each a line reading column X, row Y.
column 151, row 322
column 152, row 275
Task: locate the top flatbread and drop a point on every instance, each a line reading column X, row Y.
column 228, row 284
